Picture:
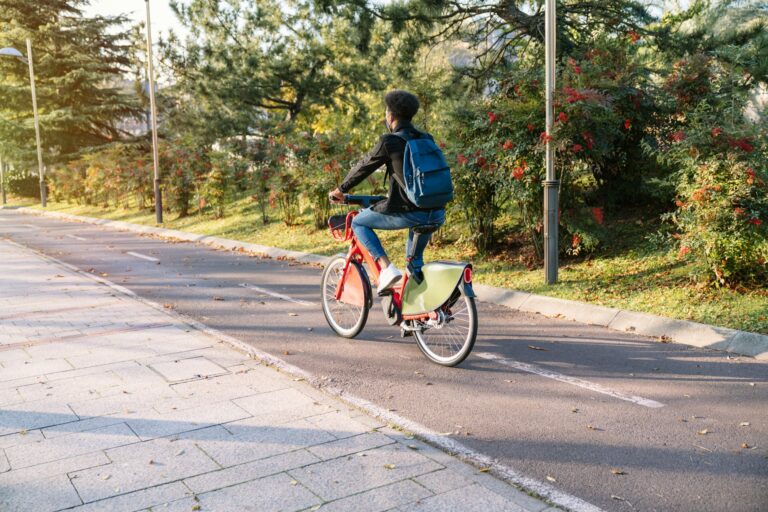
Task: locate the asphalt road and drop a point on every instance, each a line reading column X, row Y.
column 705, row 449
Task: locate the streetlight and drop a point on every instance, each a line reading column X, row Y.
column 151, row 72
column 13, row 52
column 551, row 184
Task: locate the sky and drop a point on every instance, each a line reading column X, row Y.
column 162, row 20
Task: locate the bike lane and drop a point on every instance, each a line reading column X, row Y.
column 533, row 393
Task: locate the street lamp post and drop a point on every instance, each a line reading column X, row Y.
column 151, row 72
column 2, row 180
column 551, row 184
column 12, row 52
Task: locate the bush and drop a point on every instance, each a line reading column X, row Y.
column 24, row 183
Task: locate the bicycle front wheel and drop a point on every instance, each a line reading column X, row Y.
column 347, row 316
column 449, row 339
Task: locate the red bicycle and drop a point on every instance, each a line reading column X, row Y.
column 436, row 304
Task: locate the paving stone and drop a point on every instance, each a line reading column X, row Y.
column 63, row 447
column 84, row 387
column 138, row 398
column 338, row 424
column 25, row 436
column 250, row 471
column 4, row 464
column 468, row 499
column 139, row 466
column 44, row 495
column 21, row 477
column 380, row 499
column 148, row 425
column 281, row 406
column 274, row 493
column 345, row 476
column 186, row 369
column 10, row 396
column 355, row 444
column 33, row 415
column 152, row 497
column 249, row 442
column 443, row 481
column 13, row 370
column 92, row 423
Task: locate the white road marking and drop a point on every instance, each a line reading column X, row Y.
column 75, row 237
column 142, row 256
column 29, row 226
column 278, row 295
column 526, row 367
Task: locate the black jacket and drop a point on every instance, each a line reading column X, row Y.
column 388, row 151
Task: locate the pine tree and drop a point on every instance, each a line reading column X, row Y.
column 79, row 62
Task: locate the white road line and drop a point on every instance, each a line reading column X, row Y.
column 29, row 226
column 526, row 367
column 75, row 237
column 278, row 295
column 142, row 256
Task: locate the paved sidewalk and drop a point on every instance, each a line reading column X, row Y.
column 109, row 404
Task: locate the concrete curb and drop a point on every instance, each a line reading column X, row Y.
column 666, row 329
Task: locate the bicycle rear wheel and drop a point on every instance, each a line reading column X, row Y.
column 449, row 339
column 347, row 316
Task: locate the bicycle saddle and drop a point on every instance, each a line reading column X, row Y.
column 423, row 229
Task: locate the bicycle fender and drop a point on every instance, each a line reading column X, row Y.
column 468, row 290
column 440, row 280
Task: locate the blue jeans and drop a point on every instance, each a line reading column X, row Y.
column 367, row 220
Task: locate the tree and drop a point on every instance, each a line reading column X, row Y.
column 249, row 64
column 79, row 63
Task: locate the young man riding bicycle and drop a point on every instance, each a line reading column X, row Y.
column 396, row 211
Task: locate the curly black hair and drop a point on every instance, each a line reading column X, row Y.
column 402, row 104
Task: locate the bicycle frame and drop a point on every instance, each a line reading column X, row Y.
column 359, row 254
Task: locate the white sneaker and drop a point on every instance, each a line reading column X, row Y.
column 388, row 277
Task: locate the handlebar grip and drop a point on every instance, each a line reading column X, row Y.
column 364, row 201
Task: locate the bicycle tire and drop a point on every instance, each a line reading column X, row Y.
column 346, row 320
column 428, row 342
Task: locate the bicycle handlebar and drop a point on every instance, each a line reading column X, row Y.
column 364, row 201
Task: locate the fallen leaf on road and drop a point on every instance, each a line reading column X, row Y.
column 216, row 297
column 294, row 482
column 575, row 409
column 745, row 446
column 592, row 427
column 106, row 476
column 298, row 379
column 413, row 447
column 445, row 433
column 551, row 478
column 702, row 448
column 23, row 432
column 534, row 347
column 429, row 383
column 179, row 453
column 293, row 314
column 168, row 305
column 485, row 470
column 507, row 380
column 704, row 432
column 151, row 461
column 104, row 274
column 287, row 353
column 744, row 424
column 195, row 507
column 389, row 466
column 617, row 471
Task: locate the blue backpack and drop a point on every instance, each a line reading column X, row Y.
column 426, row 173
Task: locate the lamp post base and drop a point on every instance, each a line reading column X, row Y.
column 551, row 225
column 158, row 203
column 43, row 195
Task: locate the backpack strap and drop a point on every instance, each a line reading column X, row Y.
column 403, row 134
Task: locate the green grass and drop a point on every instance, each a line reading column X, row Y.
column 630, row 274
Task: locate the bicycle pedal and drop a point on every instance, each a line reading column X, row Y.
column 405, row 333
